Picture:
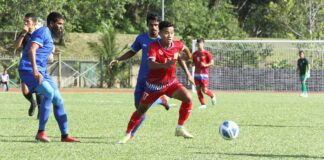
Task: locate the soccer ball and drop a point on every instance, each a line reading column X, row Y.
column 229, row 130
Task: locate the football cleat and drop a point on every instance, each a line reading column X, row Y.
column 41, row 136
column 202, row 107
column 183, row 133
column 125, row 139
column 69, row 139
column 213, row 100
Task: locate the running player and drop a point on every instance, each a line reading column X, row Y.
column 32, row 71
column 202, row 60
column 142, row 42
column 161, row 80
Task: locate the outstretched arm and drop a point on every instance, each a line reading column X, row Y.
column 129, row 54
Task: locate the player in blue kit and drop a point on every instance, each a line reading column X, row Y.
column 32, row 71
column 142, row 42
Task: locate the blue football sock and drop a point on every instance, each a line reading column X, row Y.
column 157, row 102
column 139, row 124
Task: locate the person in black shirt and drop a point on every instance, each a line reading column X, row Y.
column 303, row 67
column 30, row 21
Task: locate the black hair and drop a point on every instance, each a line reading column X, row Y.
column 32, row 16
column 300, row 52
column 165, row 24
column 53, row 17
column 152, row 17
column 200, row 40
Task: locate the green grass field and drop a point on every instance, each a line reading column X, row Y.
column 272, row 126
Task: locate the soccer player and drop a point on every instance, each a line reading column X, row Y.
column 161, row 80
column 202, row 60
column 303, row 67
column 32, row 71
column 142, row 42
column 30, row 21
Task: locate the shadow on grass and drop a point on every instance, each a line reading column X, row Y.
column 272, row 155
column 55, row 139
column 12, row 118
column 18, row 141
column 279, row 126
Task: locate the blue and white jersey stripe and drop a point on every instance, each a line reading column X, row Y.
column 201, row 76
column 150, row 87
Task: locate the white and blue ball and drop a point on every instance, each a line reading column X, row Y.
column 229, row 130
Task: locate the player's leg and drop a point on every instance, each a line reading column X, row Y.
column 145, row 103
column 163, row 100
column 303, row 86
column 133, row 122
column 39, row 99
column 7, row 86
column 139, row 90
column 59, row 113
column 29, row 96
column 179, row 92
column 208, row 92
column 48, row 92
column 200, row 95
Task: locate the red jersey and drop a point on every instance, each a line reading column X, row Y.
column 199, row 57
column 163, row 77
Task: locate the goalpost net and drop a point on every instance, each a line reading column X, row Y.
column 267, row 65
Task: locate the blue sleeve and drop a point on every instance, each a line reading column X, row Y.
column 136, row 46
column 38, row 37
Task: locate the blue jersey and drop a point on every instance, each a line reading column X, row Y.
column 143, row 42
column 43, row 37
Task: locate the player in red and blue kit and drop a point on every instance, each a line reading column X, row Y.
column 142, row 42
column 32, row 71
column 162, row 80
column 202, row 60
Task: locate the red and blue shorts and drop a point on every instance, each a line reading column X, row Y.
column 203, row 83
column 150, row 96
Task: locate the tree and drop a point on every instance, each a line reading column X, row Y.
column 107, row 51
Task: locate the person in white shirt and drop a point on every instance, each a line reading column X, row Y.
column 5, row 80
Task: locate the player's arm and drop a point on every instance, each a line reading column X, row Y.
column 187, row 52
column 211, row 63
column 184, row 67
column 18, row 42
column 32, row 56
column 297, row 69
column 129, row 54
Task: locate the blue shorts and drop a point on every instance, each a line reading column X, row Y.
column 139, row 90
column 28, row 78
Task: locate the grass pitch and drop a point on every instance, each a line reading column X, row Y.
column 272, row 126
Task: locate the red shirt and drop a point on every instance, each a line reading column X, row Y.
column 163, row 76
column 201, row 56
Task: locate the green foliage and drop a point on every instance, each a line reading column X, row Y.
column 244, row 55
column 282, row 64
column 193, row 20
column 108, row 50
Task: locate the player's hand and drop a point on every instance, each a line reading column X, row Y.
column 38, row 77
column 191, row 80
column 113, row 62
column 25, row 29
